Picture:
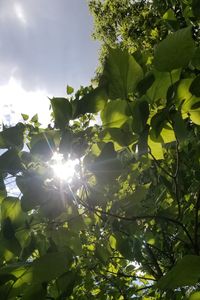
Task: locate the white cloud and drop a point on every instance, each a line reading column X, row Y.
column 14, row 100
column 20, row 14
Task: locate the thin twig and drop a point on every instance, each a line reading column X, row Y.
column 135, row 218
column 196, row 226
column 158, row 165
column 144, row 288
column 120, row 274
column 154, row 261
column 175, row 178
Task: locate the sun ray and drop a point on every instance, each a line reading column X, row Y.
column 65, row 170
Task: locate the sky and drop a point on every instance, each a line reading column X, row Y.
column 44, row 45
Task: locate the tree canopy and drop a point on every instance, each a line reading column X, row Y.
column 125, row 225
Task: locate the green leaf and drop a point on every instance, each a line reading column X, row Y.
column 158, row 121
column 11, row 208
column 112, row 242
column 188, row 103
column 102, row 253
column 195, row 296
column 125, row 246
column 92, row 102
column 132, row 203
column 69, row 90
column 10, row 162
column 195, row 115
column 43, row 145
column 66, row 142
column 5, row 289
column 35, row 291
column 66, row 239
column 145, row 83
column 9, row 246
column 114, row 114
column 106, row 166
column 195, row 87
column 6, row 277
column 121, row 136
column 25, row 117
column 156, row 148
column 140, row 114
column 35, row 194
column 185, row 273
column 122, row 73
column 196, row 8
column 12, row 137
column 66, row 283
column 183, row 95
column 175, row 51
column 7, row 229
column 53, row 204
column 196, row 58
column 34, row 119
column 143, row 141
column 167, row 133
column 62, row 111
column 161, row 84
column 42, row 269
column 32, row 190
column 179, row 126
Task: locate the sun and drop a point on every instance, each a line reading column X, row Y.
column 64, row 170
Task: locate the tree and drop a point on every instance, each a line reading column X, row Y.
column 126, row 226
column 139, row 25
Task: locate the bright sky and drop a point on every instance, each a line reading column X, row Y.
column 44, row 45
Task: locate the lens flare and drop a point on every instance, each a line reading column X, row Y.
column 65, row 170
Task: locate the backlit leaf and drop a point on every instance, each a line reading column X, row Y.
column 175, row 51
column 122, row 73
column 114, row 114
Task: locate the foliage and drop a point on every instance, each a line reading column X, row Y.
column 127, row 225
column 135, row 25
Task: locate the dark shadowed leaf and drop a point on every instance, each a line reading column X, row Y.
column 106, row 166
column 196, row 58
column 62, row 111
column 10, row 162
column 145, row 83
column 195, row 87
column 93, row 102
column 196, row 8
column 66, row 283
column 43, row 145
column 185, row 273
column 35, row 291
column 12, row 137
column 140, row 114
column 43, row 269
column 179, row 126
column 158, row 121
